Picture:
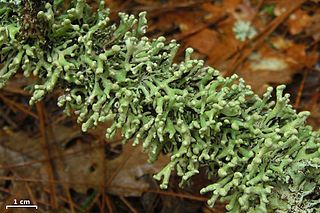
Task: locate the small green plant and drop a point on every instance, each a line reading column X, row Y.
column 263, row 155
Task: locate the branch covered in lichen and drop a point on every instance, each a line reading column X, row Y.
column 264, row 156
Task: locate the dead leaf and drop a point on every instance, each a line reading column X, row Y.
column 134, row 164
column 314, row 28
column 214, row 11
column 281, row 8
column 244, row 11
column 270, row 66
column 216, row 45
column 82, row 164
column 298, row 21
column 204, row 41
column 183, row 20
column 84, row 161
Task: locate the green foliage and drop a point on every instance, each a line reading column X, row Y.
column 269, row 9
column 264, row 157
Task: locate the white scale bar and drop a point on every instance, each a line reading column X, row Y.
column 21, row 206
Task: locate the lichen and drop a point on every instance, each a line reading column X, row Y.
column 264, row 156
column 243, row 30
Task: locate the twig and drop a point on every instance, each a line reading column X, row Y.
column 16, row 196
column 24, row 164
column 174, row 194
column 109, row 204
column 45, row 146
column 78, row 208
column 47, row 181
column 33, row 199
column 8, row 119
column 246, row 50
column 93, row 201
column 128, row 204
column 193, row 31
column 109, row 181
column 59, row 164
column 103, row 186
column 18, row 106
column 9, row 89
column 161, row 8
column 299, row 94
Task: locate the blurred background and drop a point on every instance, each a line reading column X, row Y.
column 45, row 158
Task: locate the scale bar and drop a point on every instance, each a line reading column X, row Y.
column 21, row 206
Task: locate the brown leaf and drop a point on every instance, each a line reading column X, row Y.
column 314, row 29
column 82, row 164
column 204, row 41
column 231, row 5
column 270, row 66
column 134, row 164
column 216, row 45
column 298, row 21
column 183, row 20
column 20, row 157
column 214, row 11
column 244, row 11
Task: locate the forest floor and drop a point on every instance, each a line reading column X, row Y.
column 47, row 160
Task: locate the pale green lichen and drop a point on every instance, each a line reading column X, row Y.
column 243, row 30
column 264, row 156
